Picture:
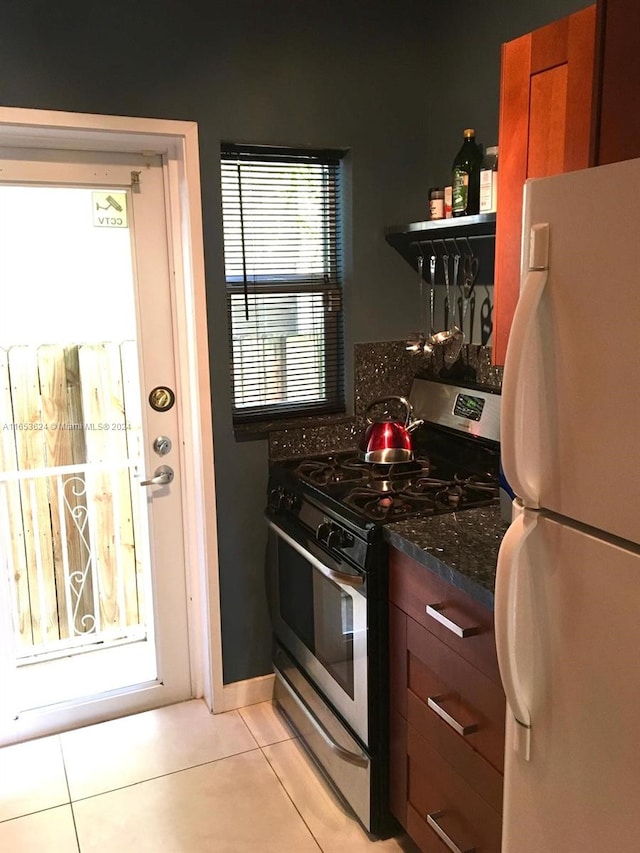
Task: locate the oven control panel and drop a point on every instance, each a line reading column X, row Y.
column 280, row 499
column 333, row 535
column 316, row 524
column 469, row 406
column 473, row 411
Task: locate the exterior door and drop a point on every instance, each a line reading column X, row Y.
column 92, row 560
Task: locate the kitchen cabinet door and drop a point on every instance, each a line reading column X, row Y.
column 546, row 93
column 617, row 121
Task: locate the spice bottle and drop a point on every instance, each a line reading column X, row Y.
column 489, row 181
column 466, row 176
column 448, row 193
column 436, row 203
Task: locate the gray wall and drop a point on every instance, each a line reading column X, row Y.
column 393, row 81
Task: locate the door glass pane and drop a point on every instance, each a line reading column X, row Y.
column 73, row 520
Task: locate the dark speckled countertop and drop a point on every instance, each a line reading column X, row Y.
column 462, row 548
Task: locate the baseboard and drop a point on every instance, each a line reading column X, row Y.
column 249, row 692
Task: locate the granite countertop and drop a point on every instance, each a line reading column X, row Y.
column 460, row 547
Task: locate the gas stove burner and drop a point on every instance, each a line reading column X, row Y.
column 423, row 486
column 333, row 469
column 450, row 494
column 323, row 472
column 384, row 507
column 444, row 477
column 389, row 471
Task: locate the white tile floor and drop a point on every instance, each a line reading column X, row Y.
column 174, row 780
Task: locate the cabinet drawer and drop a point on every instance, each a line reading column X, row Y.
column 441, row 799
column 453, row 616
column 465, row 761
column 455, row 695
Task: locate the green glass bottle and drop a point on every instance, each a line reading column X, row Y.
column 466, row 177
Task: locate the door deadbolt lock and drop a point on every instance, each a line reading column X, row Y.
column 162, row 476
column 162, row 445
column 162, row 398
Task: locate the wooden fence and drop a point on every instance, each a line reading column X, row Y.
column 70, row 436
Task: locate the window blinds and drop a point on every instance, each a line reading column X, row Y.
column 281, row 214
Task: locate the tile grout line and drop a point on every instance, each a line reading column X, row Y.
column 271, row 743
column 262, row 748
column 284, row 788
column 66, row 780
column 158, row 776
column 247, row 726
column 164, row 775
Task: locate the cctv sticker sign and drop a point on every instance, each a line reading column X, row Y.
column 110, row 210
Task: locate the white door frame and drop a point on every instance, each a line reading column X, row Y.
column 177, row 143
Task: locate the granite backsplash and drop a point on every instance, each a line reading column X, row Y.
column 381, row 369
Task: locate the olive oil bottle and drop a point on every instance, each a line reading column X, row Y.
column 466, row 176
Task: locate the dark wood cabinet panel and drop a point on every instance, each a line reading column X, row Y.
column 457, row 690
column 466, row 762
column 546, row 96
column 447, row 713
column 617, row 118
column 398, row 796
column 422, row 834
column 435, row 789
column 398, row 668
column 413, row 588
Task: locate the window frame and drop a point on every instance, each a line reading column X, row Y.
column 329, row 285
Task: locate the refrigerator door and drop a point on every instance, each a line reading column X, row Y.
column 570, row 405
column 576, row 651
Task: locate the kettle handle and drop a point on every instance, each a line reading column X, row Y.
column 403, row 400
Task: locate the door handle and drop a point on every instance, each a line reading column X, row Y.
column 521, row 456
column 162, row 476
column 509, row 561
column 355, row 581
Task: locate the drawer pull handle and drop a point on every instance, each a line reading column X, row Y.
column 432, row 820
column 435, row 611
column 434, row 703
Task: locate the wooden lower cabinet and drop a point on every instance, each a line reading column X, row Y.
column 446, row 802
column 447, row 719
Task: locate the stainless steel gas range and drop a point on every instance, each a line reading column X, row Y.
column 327, row 566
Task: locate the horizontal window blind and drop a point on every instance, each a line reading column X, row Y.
column 282, row 242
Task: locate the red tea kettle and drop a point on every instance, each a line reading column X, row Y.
column 388, row 441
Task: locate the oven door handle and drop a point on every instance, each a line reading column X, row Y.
column 332, row 574
column 340, row 751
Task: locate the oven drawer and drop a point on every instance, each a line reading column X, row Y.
column 452, row 698
column 344, row 762
column 450, row 614
column 444, row 812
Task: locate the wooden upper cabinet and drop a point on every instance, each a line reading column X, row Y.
column 546, row 94
column 616, row 125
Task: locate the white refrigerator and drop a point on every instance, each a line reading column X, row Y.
column 567, row 605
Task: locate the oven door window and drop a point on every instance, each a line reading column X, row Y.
column 319, row 612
